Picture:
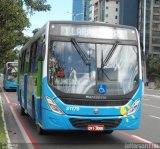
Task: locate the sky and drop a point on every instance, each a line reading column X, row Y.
column 59, row 9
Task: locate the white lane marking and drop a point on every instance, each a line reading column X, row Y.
column 146, row 141
column 26, row 138
column 4, row 122
column 149, row 95
column 5, row 97
column 18, row 122
column 154, row 117
column 143, row 140
column 150, row 106
column 145, row 99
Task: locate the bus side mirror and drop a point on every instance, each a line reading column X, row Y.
column 41, row 53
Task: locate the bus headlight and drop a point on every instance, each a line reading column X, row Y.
column 134, row 107
column 54, row 107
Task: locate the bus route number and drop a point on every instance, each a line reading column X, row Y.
column 72, row 108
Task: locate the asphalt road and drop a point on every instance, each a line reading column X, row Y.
column 22, row 130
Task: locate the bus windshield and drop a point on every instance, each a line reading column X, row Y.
column 12, row 71
column 93, row 68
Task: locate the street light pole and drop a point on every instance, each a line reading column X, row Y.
column 144, row 28
column 144, row 44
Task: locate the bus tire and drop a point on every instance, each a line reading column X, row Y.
column 5, row 89
column 40, row 130
column 107, row 132
column 33, row 109
column 22, row 111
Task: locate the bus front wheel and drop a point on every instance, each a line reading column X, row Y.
column 107, row 132
column 40, row 130
column 23, row 111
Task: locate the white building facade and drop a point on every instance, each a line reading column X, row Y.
column 105, row 11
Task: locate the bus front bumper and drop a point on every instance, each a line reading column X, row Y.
column 53, row 121
column 10, row 85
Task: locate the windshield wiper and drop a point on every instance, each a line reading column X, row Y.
column 80, row 51
column 108, row 57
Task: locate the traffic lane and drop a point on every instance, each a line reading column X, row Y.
column 83, row 138
column 150, row 120
column 151, row 105
column 151, row 98
column 151, row 91
column 16, row 138
column 149, row 129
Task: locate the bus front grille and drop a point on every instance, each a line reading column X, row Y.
column 83, row 123
column 87, row 102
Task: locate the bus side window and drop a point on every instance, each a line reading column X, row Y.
column 37, row 48
column 33, row 62
column 35, row 65
column 4, row 70
column 30, row 59
column 27, row 60
column 22, row 62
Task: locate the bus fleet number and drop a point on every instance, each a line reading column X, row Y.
column 72, row 108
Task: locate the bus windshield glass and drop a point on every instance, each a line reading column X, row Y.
column 12, row 71
column 93, row 68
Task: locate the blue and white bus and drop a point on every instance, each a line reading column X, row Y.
column 82, row 76
column 10, row 75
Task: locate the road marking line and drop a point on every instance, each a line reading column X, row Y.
column 17, row 120
column 145, row 99
column 139, row 139
column 156, row 96
column 4, row 122
column 24, row 130
column 156, row 146
column 154, row 117
column 150, row 106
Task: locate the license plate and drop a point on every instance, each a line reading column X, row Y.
column 95, row 127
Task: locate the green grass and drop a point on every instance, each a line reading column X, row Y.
column 3, row 138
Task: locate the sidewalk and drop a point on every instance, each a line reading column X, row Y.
column 3, row 135
column 151, row 85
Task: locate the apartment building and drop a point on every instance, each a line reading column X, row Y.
column 155, row 28
column 152, row 36
column 104, row 11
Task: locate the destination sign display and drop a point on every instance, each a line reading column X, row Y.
column 90, row 31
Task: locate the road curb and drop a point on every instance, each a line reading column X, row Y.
column 4, row 122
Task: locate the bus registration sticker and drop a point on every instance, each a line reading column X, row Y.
column 95, row 127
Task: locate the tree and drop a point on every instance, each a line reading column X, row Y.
column 9, row 55
column 35, row 5
column 13, row 20
column 153, row 69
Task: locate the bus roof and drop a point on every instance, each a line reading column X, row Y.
column 42, row 29
column 12, row 62
column 90, row 23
